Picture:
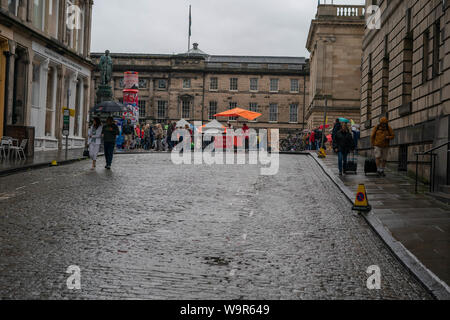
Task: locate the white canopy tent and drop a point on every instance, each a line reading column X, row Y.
column 182, row 123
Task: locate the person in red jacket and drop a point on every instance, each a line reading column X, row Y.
column 137, row 134
column 312, row 140
column 245, row 130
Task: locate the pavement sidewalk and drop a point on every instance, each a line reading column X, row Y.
column 43, row 159
column 39, row 160
column 415, row 226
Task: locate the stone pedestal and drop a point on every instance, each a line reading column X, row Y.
column 104, row 93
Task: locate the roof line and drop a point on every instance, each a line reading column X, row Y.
column 169, row 55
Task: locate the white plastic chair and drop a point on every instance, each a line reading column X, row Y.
column 20, row 150
column 2, row 152
column 5, row 145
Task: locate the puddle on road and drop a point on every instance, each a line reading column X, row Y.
column 217, row 261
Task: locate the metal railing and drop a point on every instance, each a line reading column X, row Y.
column 432, row 164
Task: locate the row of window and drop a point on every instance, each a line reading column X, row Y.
column 436, row 65
column 213, row 109
column 214, row 84
column 46, row 17
column 274, row 85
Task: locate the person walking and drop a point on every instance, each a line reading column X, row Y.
column 342, row 145
column 337, row 127
column 152, row 136
column 110, row 132
column 306, row 141
column 312, row 140
column 170, row 130
column 95, row 140
column 128, row 134
column 246, row 131
column 137, row 134
column 158, row 136
column 146, row 137
column 318, row 138
column 381, row 137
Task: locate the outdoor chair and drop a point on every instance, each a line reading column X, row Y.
column 20, row 150
column 2, row 152
column 5, row 144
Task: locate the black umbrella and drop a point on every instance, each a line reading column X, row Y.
column 109, row 107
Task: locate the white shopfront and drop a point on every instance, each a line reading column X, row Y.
column 47, row 84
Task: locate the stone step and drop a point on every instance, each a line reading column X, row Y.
column 441, row 196
column 444, row 189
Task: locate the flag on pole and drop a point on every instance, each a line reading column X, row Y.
column 190, row 21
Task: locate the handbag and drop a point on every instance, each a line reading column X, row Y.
column 86, row 151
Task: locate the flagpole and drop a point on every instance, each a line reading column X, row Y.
column 190, row 23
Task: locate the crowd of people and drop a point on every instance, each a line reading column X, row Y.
column 345, row 141
column 155, row 137
column 158, row 137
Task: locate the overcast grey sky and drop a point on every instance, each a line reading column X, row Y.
column 228, row 27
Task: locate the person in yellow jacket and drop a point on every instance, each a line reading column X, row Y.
column 381, row 136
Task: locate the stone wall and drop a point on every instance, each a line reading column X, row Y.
column 406, row 77
column 335, row 45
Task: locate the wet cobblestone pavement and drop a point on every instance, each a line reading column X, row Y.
column 151, row 230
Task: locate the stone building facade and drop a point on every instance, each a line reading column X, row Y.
column 406, row 77
column 45, row 66
column 335, row 46
column 195, row 86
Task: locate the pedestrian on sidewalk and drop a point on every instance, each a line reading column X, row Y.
column 170, row 130
column 128, row 134
column 337, row 127
column 356, row 135
column 159, row 137
column 95, row 140
column 246, row 131
column 312, row 140
column 381, row 137
column 110, row 132
column 343, row 144
column 147, row 137
column 137, row 134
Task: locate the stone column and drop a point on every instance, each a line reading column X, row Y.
column 30, row 7
column 4, row 4
column 81, row 106
column 61, row 71
column 54, row 99
column 28, row 57
column 62, row 21
column 72, row 99
column 43, row 80
column 87, row 28
column 87, row 106
column 10, row 84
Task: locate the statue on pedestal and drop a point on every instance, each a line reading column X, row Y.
column 105, row 66
column 104, row 92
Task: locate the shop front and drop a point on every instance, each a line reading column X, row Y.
column 5, row 35
column 58, row 82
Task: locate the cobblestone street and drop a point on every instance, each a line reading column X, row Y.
column 151, row 230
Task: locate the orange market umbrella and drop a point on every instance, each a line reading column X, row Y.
column 238, row 112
